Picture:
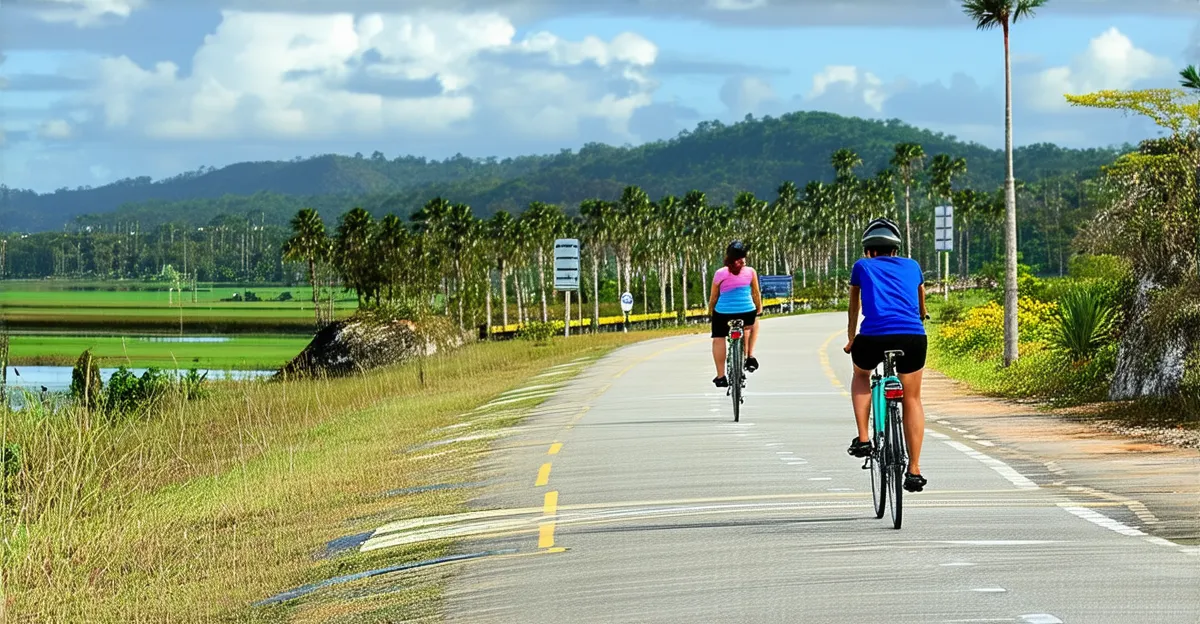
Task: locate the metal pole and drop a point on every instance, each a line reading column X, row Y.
column 567, row 323
column 947, row 274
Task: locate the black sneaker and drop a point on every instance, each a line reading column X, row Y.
column 859, row 448
column 751, row 364
column 721, row 382
column 914, row 482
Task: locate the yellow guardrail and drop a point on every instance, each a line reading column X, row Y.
column 637, row 318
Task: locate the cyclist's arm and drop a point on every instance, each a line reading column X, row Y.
column 855, row 304
column 756, row 293
column 921, row 301
column 712, row 299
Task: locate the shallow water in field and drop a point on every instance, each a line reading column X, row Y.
column 58, row 378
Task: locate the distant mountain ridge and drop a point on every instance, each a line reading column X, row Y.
column 720, row 159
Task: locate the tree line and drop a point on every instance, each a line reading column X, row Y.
column 662, row 248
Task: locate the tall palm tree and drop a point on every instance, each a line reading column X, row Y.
column 989, row 14
column 308, row 244
column 597, row 231
column 354, row 247
column 1190, row 78
column 845, row 191
column 544, row 222
column 907, row 161
column 502, row 232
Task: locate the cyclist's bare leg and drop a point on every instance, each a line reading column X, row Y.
column 751, row 339
column 860, row 397
column 719, row 355
column 914, row 419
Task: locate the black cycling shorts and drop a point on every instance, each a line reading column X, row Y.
column 720, row 322
column 867, row 351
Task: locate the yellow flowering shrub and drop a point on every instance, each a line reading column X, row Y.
column 980, row 333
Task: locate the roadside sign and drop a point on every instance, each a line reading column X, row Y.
column 626, row 302
column 943, row 228
column 566, row 264
column 775, row 286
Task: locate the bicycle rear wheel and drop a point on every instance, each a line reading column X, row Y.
column 878, row 473
column 735, row 378
column 895, row 464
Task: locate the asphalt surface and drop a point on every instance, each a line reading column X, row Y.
column 631, row 496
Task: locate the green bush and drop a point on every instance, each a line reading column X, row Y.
column 953, row 310
column 537, row 332
column 1083, row 323
column 86, row 386
column 127, row 393
column 1099, row 267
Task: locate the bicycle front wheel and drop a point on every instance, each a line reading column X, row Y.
column 878, row 472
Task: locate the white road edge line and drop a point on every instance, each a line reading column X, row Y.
column 1021, row 481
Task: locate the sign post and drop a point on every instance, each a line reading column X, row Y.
column 943, row 240
column 566, row 274
column 626, row 306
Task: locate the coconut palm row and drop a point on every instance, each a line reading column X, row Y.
column 466, row 267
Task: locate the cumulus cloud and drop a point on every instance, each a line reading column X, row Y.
column 1111, row 61
column 748, row 94
column 280, row 76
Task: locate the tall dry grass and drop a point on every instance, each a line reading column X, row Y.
column 194, row 512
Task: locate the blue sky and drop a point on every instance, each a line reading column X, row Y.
column 97, row 90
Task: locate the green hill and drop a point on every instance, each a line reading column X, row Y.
column 755, row 155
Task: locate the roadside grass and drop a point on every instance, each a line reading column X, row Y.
column 237, row 353
column 207, row 507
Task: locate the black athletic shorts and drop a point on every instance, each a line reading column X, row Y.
column 867, row 351
column 720, row 322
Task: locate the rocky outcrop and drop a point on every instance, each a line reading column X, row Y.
column 367, row 342
column 1153, row 353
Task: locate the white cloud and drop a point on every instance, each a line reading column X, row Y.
column 848, row 79
column 282, row 76
column 748, row 94
column 56, row 129
column 1111, row 61
column 84, row 13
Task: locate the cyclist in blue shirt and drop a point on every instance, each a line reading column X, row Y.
column 890, row 290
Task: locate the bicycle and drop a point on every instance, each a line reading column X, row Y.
column 734, row 365
column 889, row 456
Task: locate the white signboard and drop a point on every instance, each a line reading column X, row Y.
column 566, row 264
column 943, row 228
column 626, row 302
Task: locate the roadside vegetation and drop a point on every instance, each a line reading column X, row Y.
column 192, row 505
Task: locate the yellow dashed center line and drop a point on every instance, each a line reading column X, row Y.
column 546, row 535
column 550, row 502
column 543, row 475
column 823, row 354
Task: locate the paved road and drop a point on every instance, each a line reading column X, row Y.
column 632, row 497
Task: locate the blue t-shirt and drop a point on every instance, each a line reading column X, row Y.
column 888, row 288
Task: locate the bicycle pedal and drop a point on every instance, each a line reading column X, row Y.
column 866, row 464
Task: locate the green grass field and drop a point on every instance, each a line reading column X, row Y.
column 238, row 353
column 65, row 306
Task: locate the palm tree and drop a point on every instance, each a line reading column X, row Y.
column 310, row 245
column 502, row 232
column 597, row 230
column 907, row 161
column 544, row 222
column 353, row 247
column 989, row 14
column 1190, row 78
